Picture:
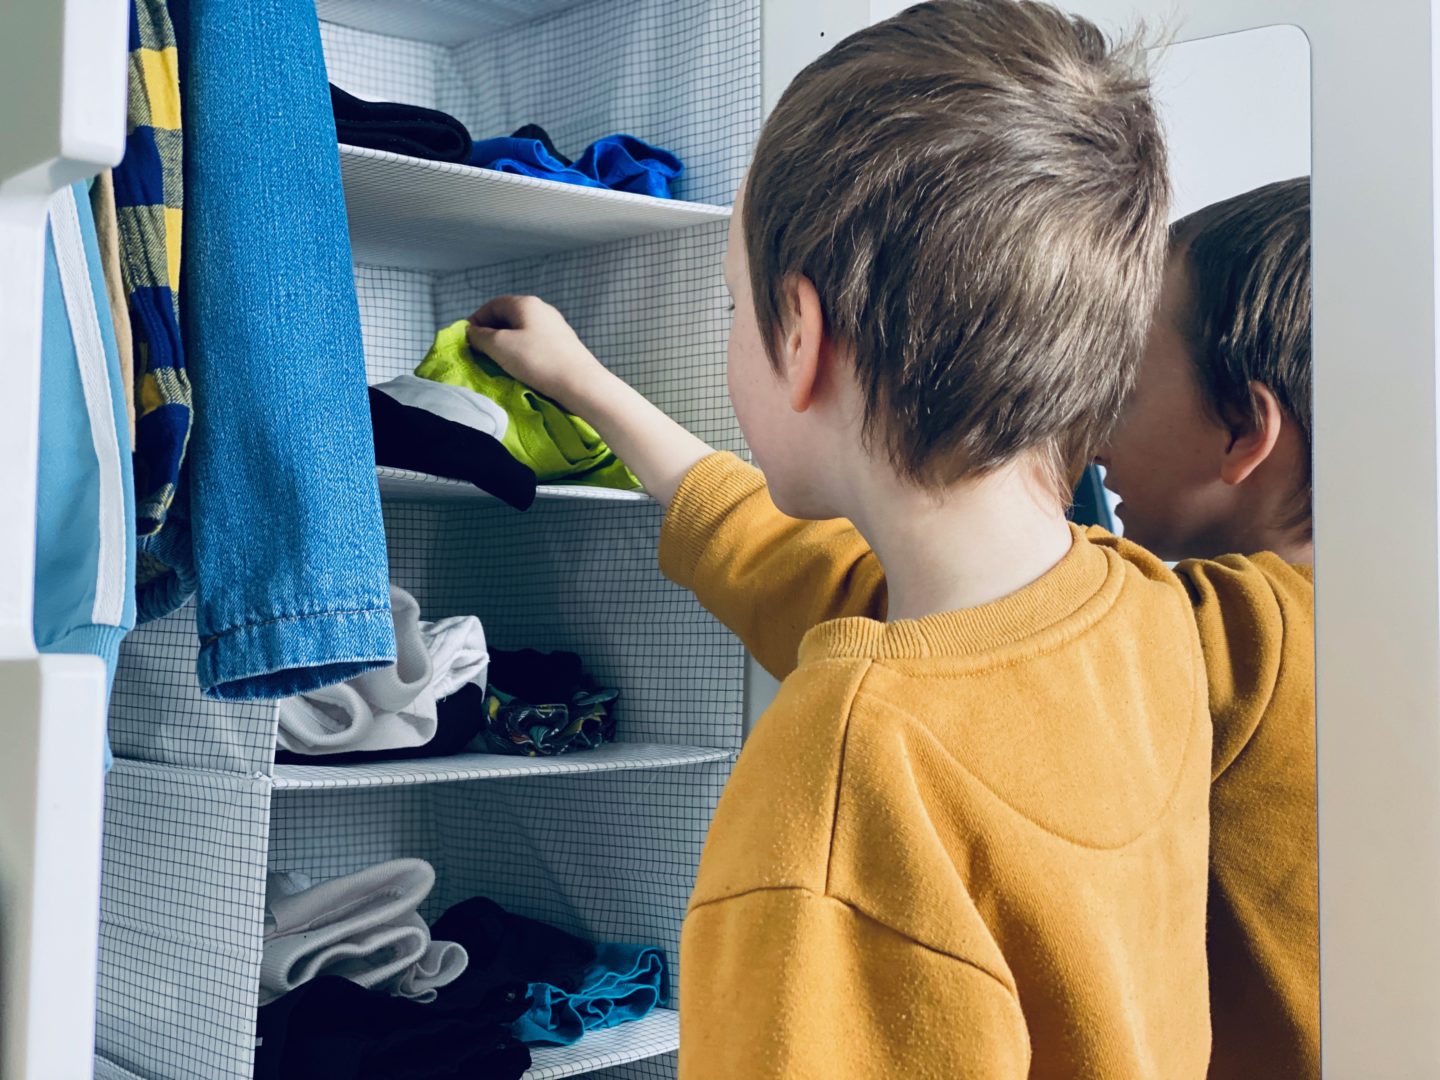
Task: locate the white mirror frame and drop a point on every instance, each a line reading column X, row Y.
column 1378, row 590
column 1375, row 445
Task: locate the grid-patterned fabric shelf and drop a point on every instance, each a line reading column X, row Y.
column 605, row 844
column 615, row 757
column 404, row 485
column 444, row 22
column 431, row 215
column 105, row 1069
column 658, row 1033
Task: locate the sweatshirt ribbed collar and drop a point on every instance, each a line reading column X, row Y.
column 1049, row 600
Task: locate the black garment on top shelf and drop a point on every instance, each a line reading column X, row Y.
column 400, row 129
column 411, row 438
column 505, row 949
column 459, row 718
column 540, row 135
column 543, row 704
column 332, row 1029
column 538, row 677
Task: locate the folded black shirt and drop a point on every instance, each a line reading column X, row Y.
column 411, row 438
column 332, row 1029
column 506, row 949
column 400, row 129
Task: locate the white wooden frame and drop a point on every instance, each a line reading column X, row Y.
column 62, row 85
column 1377, row 504
column 1378, row 648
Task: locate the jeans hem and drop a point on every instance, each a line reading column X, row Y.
column 296, row 655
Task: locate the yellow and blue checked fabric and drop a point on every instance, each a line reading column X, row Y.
column 149, row 186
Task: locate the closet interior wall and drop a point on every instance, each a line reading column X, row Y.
column 608, row 846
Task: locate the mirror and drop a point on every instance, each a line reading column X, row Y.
column 1213, row 456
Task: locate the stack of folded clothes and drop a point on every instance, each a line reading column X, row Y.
column 461, row 416
column 416, row 707
column 616, row 162
column 543, row 704
column 363, row 927
column 524, row 983
column 537, row 432
column 399, row 129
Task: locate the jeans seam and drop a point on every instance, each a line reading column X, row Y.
column 211, row 639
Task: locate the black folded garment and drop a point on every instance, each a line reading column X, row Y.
column 505, row 949
column 543, row 704
column 333, row 1029
column 539, row 677
column 411, row 438
column 400, row 129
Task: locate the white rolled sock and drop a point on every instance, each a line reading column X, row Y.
column 441, row 964
column 363, row 926
column 457, row 653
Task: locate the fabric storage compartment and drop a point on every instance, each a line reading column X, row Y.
column 604, row 842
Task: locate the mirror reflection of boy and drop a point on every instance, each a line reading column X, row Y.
column 1212, row 456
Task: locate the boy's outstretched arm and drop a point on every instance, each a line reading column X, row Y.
column 533, row 342
column 766, row 576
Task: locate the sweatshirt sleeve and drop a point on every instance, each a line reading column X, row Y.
column 786, row 983
column 766, row 576
column 1248, row 627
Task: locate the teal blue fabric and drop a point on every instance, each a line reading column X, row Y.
column 67, row 511
column 293, row 585
column 625, row 983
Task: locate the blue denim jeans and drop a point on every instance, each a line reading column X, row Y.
column 289, row 548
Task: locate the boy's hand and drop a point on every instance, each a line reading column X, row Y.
column 534, row 344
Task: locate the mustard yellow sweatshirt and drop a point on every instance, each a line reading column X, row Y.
column 772, row 578
column 968, row 845
column 1257, row 627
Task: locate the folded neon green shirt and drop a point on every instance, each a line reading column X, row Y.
column 542, row 435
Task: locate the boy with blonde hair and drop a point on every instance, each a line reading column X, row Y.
column 969, row 837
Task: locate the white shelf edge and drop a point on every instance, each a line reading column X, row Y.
column 658, row 1033
column 439, row 23
column 437, row 216
column 613, row 757
column 397, row 484
column 489, row 178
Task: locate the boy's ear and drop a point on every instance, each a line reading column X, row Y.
column 802, row 347
column 1254, row 440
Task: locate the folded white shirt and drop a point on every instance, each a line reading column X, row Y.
column 392, row 707
column 457, row 403
column 364, row 927
column 441, row 964
column 458, row 654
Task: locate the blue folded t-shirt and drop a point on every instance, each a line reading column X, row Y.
column 617, row 162
column 625, row 163
column 625, row 983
